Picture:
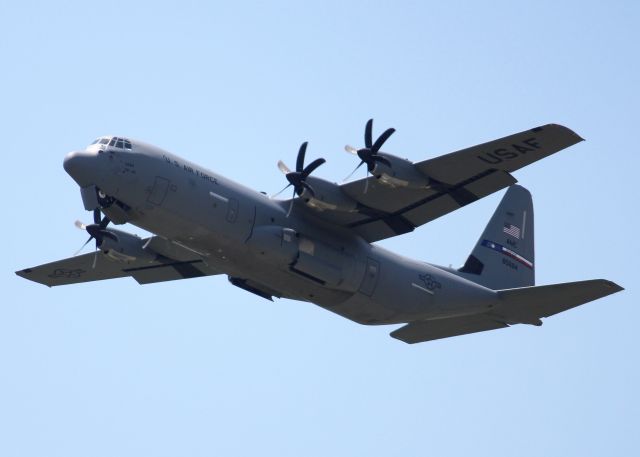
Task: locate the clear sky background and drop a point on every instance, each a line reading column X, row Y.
column 200, row 368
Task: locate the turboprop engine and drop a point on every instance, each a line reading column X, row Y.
column 397, row 172
column 315, row 192
column 115, row 244
column 326, row 195
column 125, row 247
column 387, row 168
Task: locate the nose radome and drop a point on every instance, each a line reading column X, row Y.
column 80, row 165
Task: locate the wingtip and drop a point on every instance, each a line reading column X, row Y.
column 613, row 286
column 577, row 137
column 610, row 286
column 23, row 273
column 397, row 337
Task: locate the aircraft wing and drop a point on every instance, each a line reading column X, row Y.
column 170, row 262
column 463, row 177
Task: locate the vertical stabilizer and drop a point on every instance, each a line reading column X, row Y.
column 504, row 256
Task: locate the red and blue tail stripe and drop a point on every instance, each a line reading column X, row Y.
column 507, row 252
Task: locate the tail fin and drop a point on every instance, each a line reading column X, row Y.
column 504, row 256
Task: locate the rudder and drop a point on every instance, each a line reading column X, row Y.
column 503, row 257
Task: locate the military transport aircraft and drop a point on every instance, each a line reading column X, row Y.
column 318, row 245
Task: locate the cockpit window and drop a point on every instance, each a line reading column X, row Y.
column 116, row 142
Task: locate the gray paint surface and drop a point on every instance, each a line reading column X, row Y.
column 317, row 247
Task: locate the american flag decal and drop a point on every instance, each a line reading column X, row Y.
column 512, row 230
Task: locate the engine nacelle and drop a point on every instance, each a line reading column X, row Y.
column 327, row 196
column 126, row 247
column 401, row 173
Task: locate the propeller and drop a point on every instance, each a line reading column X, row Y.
column 97, row 231
column 297, row 178
column 369, row 154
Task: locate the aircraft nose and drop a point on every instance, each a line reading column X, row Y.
column 80, row 165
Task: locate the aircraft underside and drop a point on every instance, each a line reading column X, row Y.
column 319, row 245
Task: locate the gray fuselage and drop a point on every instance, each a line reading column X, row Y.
column 247, row 235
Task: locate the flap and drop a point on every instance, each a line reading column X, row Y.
column 385, row 212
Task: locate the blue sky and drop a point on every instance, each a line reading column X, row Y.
column 199, row 367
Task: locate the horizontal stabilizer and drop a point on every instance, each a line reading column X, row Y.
column 529, row 304
column 421, row 331
column 525, row 305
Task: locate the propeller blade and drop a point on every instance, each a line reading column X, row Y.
column 291, row 204
column 94, row 230
column 354, row 170
column 351, row 150
column 296, row 178
column 95, row 259
column 283, row 189
column 311, row 167
column 283, row 167
column 381, row 139
column 82, row 247
column 301, row 153
column 365, row 155
column 99, row 233
column 366, row 182
column 368, row 133
column 96, row 216
column 104, row 222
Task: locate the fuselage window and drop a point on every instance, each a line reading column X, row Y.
column 120, row 143
column 104, row 141
column 112, row 142
column 127, row 144
column 95, row 141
